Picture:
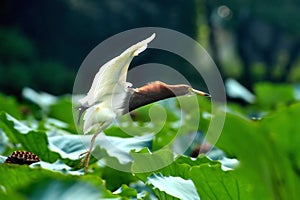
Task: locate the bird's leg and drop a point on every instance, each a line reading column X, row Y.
column 87, row 154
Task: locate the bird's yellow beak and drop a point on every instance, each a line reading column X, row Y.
column 199, row 92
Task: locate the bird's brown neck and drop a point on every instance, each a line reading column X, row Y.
column 153, row 92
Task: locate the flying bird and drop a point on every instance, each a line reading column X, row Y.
column 110, row 96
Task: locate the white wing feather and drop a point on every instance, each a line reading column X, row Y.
column 111, row 78
column 108, row 91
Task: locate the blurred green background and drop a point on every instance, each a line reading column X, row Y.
column 42, row 43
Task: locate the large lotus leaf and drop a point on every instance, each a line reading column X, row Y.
column 170, row 187
column 267, row 151
column 38, row 183
column 146, row 161
column 180, row 166
column 213, row 183
column 282, row 130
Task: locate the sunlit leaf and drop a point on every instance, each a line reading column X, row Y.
column 126, row 191
column 37, row 183
column 235, row 90
column 146, row 161
column 44, row 100
column 213, row 183
column 170, row 187
column 120, row 148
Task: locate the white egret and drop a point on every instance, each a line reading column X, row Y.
column 110, row 96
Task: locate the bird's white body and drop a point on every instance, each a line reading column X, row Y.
column 109, row 89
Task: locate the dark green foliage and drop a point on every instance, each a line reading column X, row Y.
column 43, row 50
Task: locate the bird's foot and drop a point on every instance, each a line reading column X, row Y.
column 85, row 160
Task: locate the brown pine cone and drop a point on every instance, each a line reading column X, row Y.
column 22, row 158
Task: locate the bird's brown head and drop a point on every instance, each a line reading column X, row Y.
column 160, row 90
column 157, row 91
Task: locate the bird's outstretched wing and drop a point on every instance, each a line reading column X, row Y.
column 111, row 78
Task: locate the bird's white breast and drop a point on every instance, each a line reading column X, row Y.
column 98, row 116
